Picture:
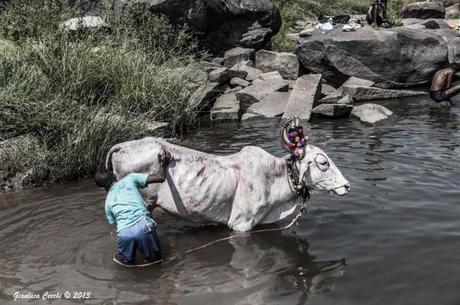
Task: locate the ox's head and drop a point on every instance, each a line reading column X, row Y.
column 318, row 172
column 316, row 169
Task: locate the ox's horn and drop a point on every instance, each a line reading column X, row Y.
column 285, row 143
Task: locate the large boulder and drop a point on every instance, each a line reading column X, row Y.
column 285, row 63
column 392, row 58
column 223, row 23
column 424, row 10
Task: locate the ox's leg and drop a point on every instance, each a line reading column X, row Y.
column 249, row 208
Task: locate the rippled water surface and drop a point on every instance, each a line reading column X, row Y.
column 395, row 239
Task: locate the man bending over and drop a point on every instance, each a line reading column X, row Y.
column 125, row 207
column 441, row 87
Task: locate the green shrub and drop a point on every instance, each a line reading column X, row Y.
column 80, row 93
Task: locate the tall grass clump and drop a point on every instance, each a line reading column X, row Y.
column 78, row 94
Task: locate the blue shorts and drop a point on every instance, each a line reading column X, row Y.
column 140, row 236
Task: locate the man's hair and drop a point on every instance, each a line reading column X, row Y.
column 453, row 66
column 104, row 178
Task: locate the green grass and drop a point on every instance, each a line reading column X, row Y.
column 79, row 94
column 295, row 10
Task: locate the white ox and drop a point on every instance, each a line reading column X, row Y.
column 239, row 190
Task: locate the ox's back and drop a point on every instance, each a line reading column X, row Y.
column 199, row 187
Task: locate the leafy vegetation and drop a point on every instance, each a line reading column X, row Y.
column 80, row 93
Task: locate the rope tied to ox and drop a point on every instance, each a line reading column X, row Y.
column 295, row 221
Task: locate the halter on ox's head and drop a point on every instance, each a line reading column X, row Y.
column 309, row 167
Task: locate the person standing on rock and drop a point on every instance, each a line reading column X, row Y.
column 441, row 87
column 125, row 207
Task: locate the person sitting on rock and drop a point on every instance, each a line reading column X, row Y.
column 376, row 16
column 441, row 87
column 125, row 207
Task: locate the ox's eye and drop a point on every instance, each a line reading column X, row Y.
column 322, row 162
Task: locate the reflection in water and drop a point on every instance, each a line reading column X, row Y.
column 266, row 268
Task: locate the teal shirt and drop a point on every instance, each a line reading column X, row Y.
column 124, row 205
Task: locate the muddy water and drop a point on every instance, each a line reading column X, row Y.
column 395, row 239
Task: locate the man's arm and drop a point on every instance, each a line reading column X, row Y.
column 164, row 159
column 450, row 77
column 110, row 217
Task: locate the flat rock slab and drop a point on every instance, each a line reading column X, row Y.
column 356, row 81
column 236, row 55
column 272, row 105
column 285, row 63
column 236, row 81
column 305, row 94
column 273, row 75
column 332, row 110
column 331, row 98
column 345, row 100
column 252, row 73
column 361, row 93
column 226, row 108
column 327, row 89
column 371, row 113
column 256, row 92
column 224, row 75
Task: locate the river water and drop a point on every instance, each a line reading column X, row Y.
column 394, row 239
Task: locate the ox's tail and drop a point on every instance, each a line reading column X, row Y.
column 108, row 159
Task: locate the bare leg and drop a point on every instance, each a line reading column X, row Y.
column 376, row 14
column 453, row 91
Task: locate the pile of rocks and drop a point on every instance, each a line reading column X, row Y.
column 268, row 84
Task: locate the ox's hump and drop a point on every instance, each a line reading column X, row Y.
column 254, row 150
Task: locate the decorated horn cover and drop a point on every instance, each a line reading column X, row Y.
column 293, row 138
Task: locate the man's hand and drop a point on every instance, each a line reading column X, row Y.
column 164, row 158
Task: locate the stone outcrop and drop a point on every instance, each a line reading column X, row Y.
column 392, row 58
column 224, row 23
column 424, row 10
column 285, row 63
column 361, row 93
column 305, row 94
column 371, row 113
